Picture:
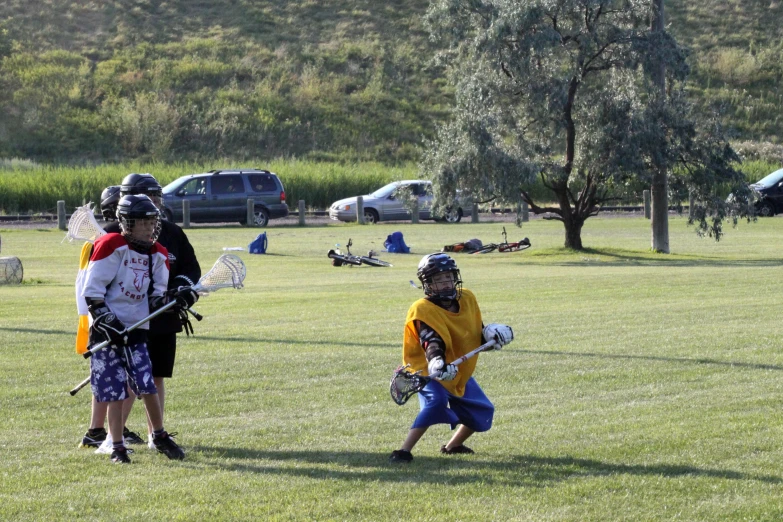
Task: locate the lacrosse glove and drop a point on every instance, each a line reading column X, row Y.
column 157, row 301
column 500, row 333
column 438, row 369
column 185, row 296
column 106, row 325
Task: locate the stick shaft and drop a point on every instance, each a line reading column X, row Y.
column 100, row 346
column 79, row 386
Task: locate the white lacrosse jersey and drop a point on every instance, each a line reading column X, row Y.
column 121, row 276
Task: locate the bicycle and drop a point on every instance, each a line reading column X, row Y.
column 339, row 259
column 505, row 246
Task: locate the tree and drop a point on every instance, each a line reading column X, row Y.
column 561, row 91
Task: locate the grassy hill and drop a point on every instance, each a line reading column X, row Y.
column 317, row 79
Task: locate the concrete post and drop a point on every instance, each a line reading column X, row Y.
column 61, row 223
column 251, row 215
column 646, row 204
column 301, row 213
column 415, row 212
column 185, row 213
column 360, row 210
column 525, row 212
column 474, row 213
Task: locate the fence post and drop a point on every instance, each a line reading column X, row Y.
column 251, row 215
column 61, row 224
column 185, row 213
column 646, row 194
column 415, row 212
column 525, row 212
column 360, row 210
column 301, row 212
column 474, row 213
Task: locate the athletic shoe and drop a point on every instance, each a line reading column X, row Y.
column 166, row 445
column 400, row 456
column 107, row 447
column 120, row 456
column 457, row 450
column 93, row 438
column 131, row 437
column 151, row 443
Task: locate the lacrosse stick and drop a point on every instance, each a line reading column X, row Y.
column 405, row 384
column 82, row 226
column 228, row 272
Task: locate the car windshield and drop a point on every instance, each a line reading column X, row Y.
column 771, row 179
column 173, row 186
column 386, row 190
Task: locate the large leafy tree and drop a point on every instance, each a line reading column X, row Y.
column 562, row 91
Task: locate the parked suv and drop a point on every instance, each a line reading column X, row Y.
column 221, row 195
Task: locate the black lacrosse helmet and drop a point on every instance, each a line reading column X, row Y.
column 433, row 264
column 140, row 184
column 109, row 199
column 133, row 207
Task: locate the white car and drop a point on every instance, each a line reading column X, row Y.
column 382, row 205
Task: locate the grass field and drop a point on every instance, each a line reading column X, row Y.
column 640, row 386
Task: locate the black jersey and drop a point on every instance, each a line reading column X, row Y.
column 184, row 270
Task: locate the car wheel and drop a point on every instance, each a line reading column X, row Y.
column 766, row 209
column 370, row 216
column 453, row 216
column 261, row 218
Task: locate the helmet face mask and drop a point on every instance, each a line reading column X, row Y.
column 109, row 199
column 440, row 278
column 139, row 221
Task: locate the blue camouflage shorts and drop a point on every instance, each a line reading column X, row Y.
column 112, row 370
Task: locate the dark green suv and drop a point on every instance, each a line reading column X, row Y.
column 221, row 196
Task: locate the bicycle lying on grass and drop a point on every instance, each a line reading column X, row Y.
column 340, row 259
column 505, row 246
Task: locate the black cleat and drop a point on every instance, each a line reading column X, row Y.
column 93, row 438
column 131, row 437
column 456, row 450
column 400, row 456
column 166, row 445
column 120, row 456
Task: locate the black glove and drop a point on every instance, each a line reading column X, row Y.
column 157, row 301
column 184, row 320
column 185, row 296
column 106, row 325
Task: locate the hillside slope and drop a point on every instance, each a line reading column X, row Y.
column 312, row 78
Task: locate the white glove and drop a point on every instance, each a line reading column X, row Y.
column 500, row 333
column 438, row 369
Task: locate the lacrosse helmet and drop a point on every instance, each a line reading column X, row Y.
column 132, row 208
column 140, row 184
column 109, row 199
column 433, row 264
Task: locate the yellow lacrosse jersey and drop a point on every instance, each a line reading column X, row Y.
column 460, row 331
column 83, row 330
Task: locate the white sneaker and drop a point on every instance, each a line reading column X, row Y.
column 107, row 446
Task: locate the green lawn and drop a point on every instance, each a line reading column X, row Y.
column 640, row 386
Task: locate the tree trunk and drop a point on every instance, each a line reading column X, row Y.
column 659, row 189
column 573, row 234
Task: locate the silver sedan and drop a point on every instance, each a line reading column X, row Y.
column 383, row 205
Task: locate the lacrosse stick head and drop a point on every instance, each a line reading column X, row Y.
column 228, row 272
column 82, row 226
column 405, row 384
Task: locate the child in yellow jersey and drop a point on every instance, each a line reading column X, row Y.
column 443, row 326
